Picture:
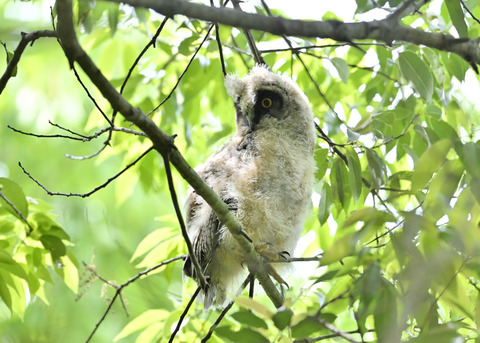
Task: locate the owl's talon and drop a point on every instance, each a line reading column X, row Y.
column 284, row 254
column 267, row 251
column 273, row 273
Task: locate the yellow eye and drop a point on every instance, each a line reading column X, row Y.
column 266, row 103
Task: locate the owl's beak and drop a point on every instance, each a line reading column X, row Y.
column 243, row 120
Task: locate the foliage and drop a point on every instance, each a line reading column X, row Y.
column 395, row 212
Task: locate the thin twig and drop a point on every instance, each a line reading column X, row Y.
column 84, row 195
column 198, row 270
column 432, row 307
column 297, row 259
column 125, row 284
column 137, row 60
column 224, row 311
column 90, row 96
column 219, row 43
column 184, row 71
column 401, row 11
column 403, row 133
column 248, row 35
column 314, row 47
column 80, row 137
column 13, row 63
column 184, row 313
column 469, row 12
column 334, row 329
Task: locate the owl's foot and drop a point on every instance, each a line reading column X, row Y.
column 266, row 250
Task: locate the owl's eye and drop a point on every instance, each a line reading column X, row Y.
column 266, row 103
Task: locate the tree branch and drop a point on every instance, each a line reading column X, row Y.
column 163, row 144
column 381, row 30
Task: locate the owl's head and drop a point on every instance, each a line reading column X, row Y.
column 264, row 99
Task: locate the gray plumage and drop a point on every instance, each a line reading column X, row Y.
column 265, row 175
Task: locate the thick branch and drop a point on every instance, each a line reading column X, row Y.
column 162, row 143
column 383, row 30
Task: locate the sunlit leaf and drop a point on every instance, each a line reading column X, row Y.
column 354, row 173
column 338, row 250
column 14, row 194
column 455, row 65
column 305, row 327
column 255, row 306
column 54, row 245
column 376, row 167
column 429, row 162
column 415, row 70
column 342, row 68
column 339, row 179
column 326, row 202
column 7, row 263
column 143, row 320
column 250, row 319
column 282, row 318
column 457, row 16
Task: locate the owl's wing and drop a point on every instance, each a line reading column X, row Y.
column 205, row 241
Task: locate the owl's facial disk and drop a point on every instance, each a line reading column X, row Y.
column 268, row 103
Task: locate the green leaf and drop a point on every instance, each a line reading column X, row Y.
column 5, row 292
column 354, row 173
column 342, row 68
column 366, row 215
column 282, row 318
column 14, row 193
column 7, row 263
column 441, row 190
column 54, row 245
column 226, row 332
column 338, row 250
column 142, row 321
column 455, row 65
column 457, row 16
column 246, row 335
column 339, row 181
column 386, row 314
column 415, row 70
column 305, row 327
column 325, row 204
column 469, row 154
column 113, row 13
column 367, row 288
column 250, row 319
column 321, row 162
column 429, row 162
column 376, row 167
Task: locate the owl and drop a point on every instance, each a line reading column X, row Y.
column 264, row 174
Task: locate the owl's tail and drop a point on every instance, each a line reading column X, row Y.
column 208, row 294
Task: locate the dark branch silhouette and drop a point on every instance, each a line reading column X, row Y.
column 13, row 63
column 387, row 30
column 118, row 289
column 96, row 189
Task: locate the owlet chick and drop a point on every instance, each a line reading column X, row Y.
column 265, row 175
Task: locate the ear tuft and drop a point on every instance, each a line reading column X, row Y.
column 234, row 86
